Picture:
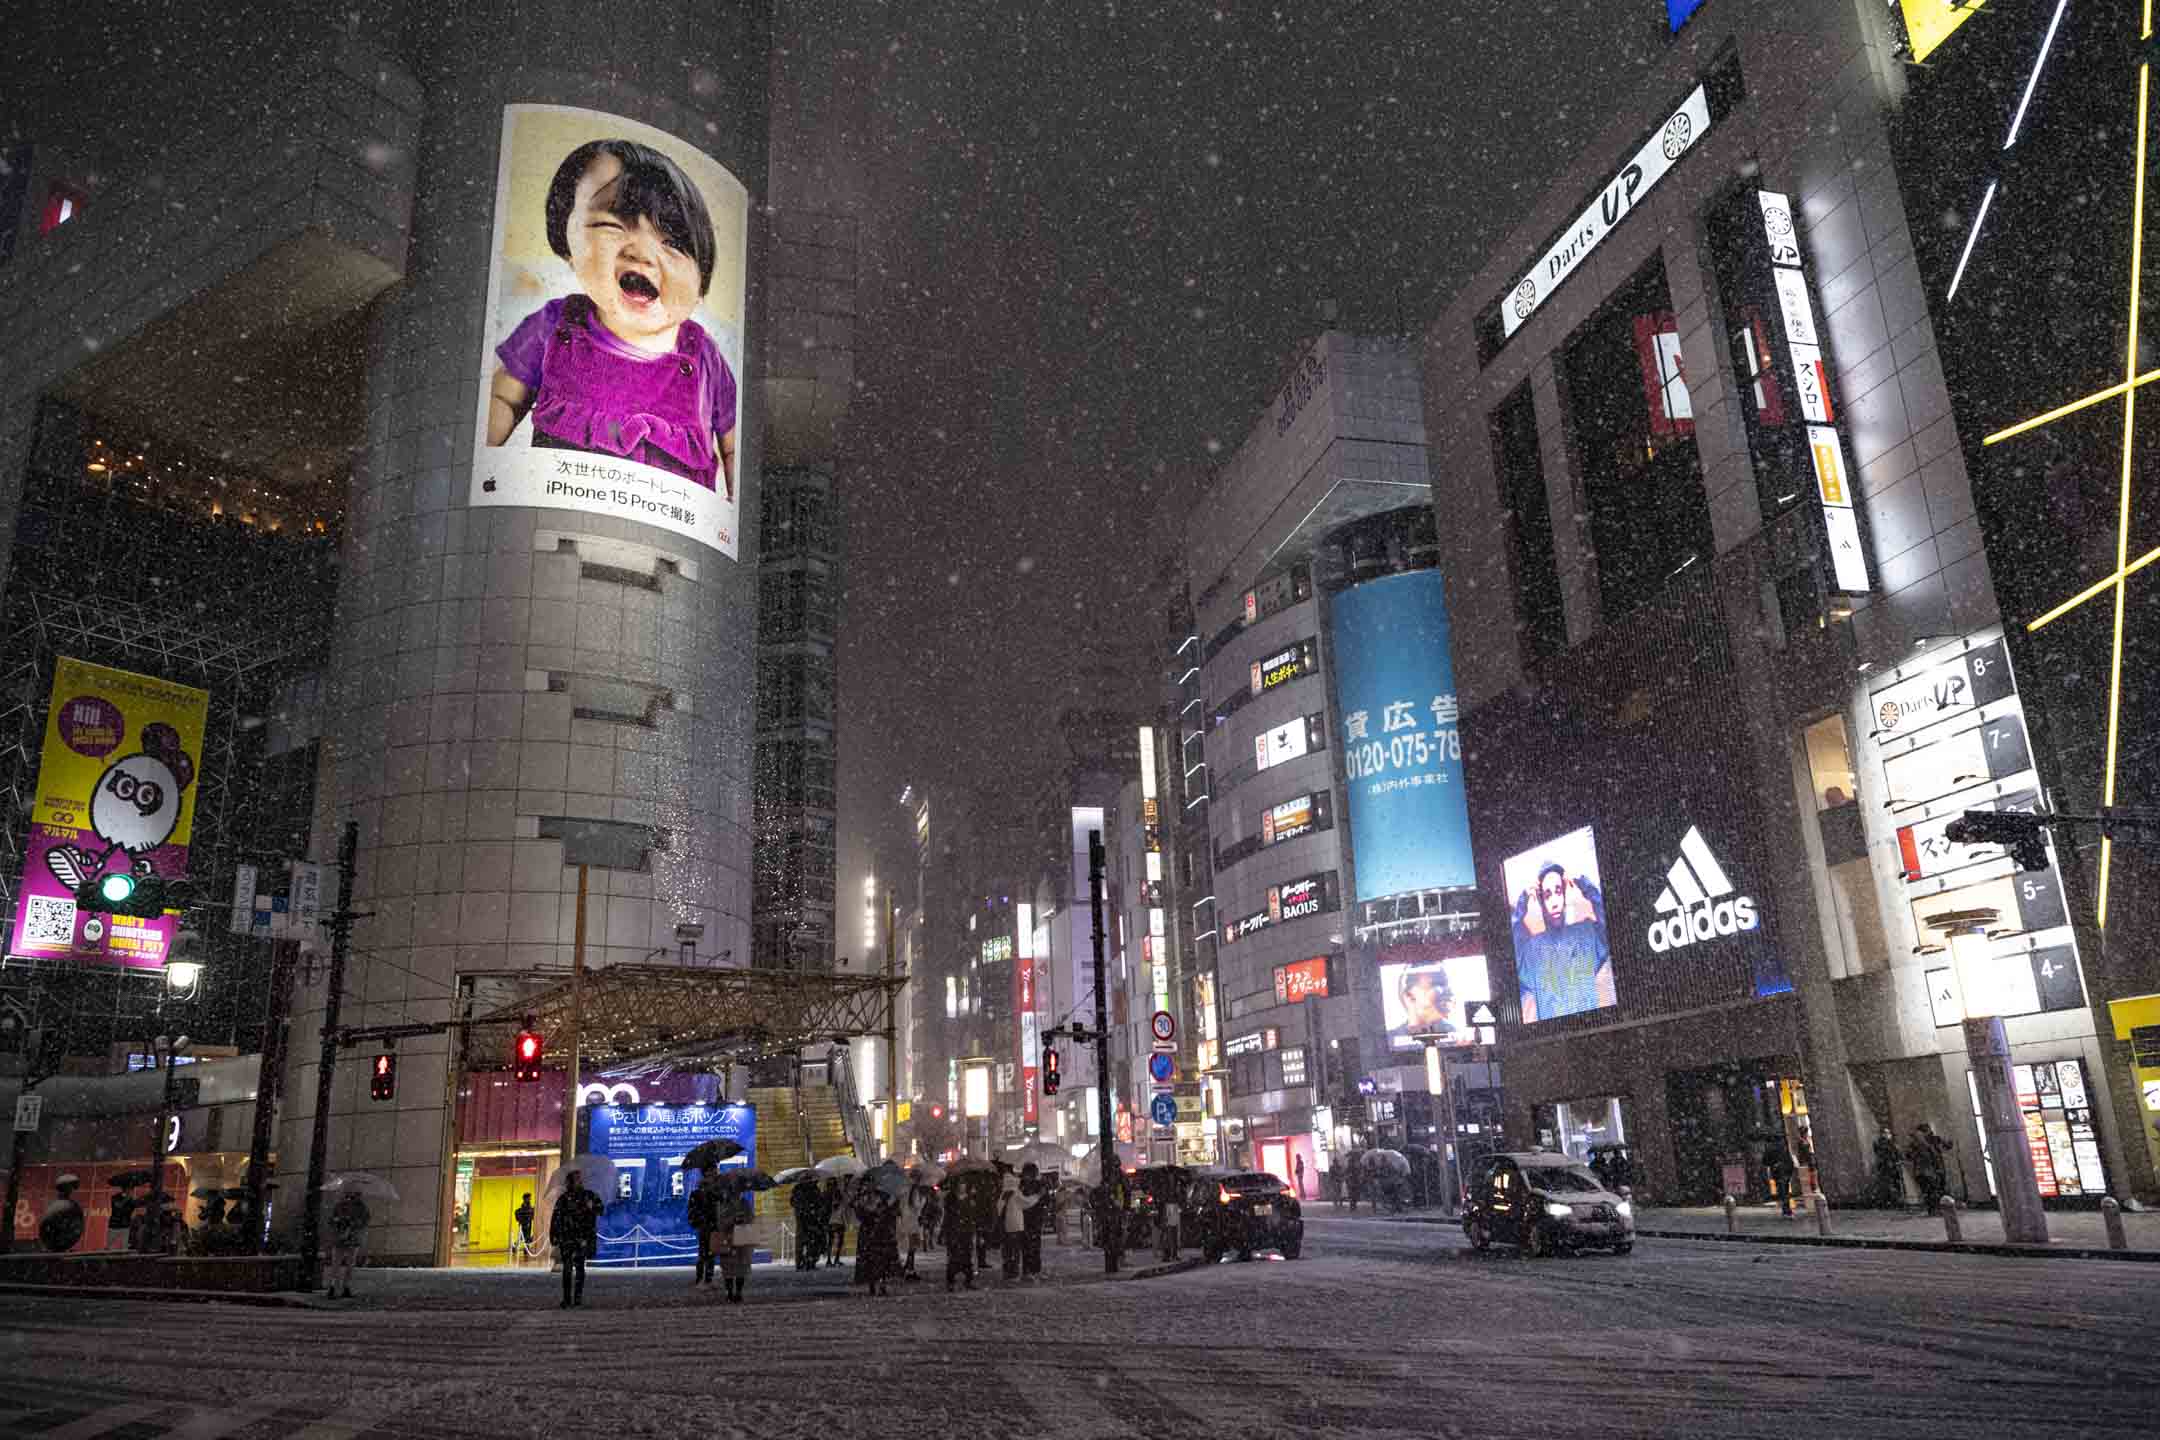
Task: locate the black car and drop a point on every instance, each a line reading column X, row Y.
column 1242, row 1213
column 1541, row 1202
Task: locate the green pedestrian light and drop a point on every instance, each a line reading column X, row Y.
column 116, row 888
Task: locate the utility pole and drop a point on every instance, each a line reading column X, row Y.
column 892, row 1028
column 577, row 1026
column 269, row 1078
column 326, row 1069
column 1112, row 1170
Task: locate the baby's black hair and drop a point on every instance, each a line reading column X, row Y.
column 652, row 186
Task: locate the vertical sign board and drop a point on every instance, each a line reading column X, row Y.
column 1811, row 383
column 1402, row 748
column 1949, row 732
column 116, row 788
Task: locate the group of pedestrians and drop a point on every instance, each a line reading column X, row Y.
column 716, row 1213
column 1008, row 1206
column 1929, row 1156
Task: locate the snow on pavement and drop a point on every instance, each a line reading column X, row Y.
column 1382, row 1331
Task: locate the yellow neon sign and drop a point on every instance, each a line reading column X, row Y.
column 2118, row 581
column 1930, row 22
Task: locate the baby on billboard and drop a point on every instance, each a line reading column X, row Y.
column 618, row 367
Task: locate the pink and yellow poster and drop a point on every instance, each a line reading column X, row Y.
column 115, row 782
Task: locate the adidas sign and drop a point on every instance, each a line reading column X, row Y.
column 1698, row 901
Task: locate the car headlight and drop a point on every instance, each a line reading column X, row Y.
column 1559, row 1211
column 1626, row 1210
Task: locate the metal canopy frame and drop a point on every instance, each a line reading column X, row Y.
column 693, row 1017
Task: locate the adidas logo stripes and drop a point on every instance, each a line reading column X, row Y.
column 1694, row 900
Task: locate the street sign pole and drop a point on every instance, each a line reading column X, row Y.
column 326, row 1068
column 1109, row 1166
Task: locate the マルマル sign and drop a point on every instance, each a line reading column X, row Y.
column 1675, row 137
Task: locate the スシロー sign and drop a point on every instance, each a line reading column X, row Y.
column 1673, row 138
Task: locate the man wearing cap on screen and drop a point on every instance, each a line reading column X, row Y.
column 1562, row 963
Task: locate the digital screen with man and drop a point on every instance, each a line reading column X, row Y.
column 1563, row 965
column 1426, row 994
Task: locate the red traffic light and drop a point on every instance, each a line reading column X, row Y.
column 937, row 1112
column 1050, row 1076
column 382, row 1079
column 525, row 1056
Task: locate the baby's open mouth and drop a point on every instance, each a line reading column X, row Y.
column 637, row 287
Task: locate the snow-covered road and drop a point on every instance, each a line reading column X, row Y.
column 1383, row 1330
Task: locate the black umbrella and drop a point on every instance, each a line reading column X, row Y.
column 711, row 1153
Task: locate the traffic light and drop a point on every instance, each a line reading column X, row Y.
column 382, row 1080
column 525, row 1055
column 124, row 892
column 2022, row 834
column 1050, row 1077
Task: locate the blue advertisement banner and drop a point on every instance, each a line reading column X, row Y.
column 646, row 1218
column 1402, row 749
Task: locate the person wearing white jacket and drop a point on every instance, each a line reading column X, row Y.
column 910, row 1237
column 1013, row 1208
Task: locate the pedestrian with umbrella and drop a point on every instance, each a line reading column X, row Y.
column 704, row 1223
column 909, row 1222
column 877, row 1250
column 1013, row 1208
column 732, row 1211
column 524, row 1216
column 1039, row 1201
column 574, row 1231
column 809, row 1222
column 349, row 1220
column 959, row 1230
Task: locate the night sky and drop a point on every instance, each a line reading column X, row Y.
column 1091, row 235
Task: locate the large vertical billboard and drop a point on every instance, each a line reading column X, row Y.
column 116, row 781
column 1402, row 751
column 611, row 379
column 1563, row 959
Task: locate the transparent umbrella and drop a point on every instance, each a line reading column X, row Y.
column 366, row 1185
column 839, row 1165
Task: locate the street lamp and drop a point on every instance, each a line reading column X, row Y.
column 975, row 1094
column 1987, row 1049
column 1436, row 1086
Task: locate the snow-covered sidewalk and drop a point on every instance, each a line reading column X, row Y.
column 2067, row 1229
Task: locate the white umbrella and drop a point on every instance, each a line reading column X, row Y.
column 795, row 1174
column 1041, row 1155
column 840, row 1165
column 360, row 1182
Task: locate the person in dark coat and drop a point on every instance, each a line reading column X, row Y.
column 1038, row 1203
column 1889, row 1178
column 877, row 1247
column 574, row 1231
column 1929, row 1154
column 1777, row 1164
column 810, row 1227
column 524, row 1216
column 835, row 1199
column 705, row 1223
column 960, row 1229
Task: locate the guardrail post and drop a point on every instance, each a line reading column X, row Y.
column 2111, row 1216
column 1821, row 1205
column 1732, row 1216
column 1952, row 1230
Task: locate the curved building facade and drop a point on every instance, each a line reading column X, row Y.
column 510, row 691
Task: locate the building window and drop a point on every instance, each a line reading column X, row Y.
column 1633, row 423
column 1523, row 496
column 1830, row 765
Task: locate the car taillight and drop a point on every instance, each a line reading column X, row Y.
column 1288, row 1193
column 1224, row 1192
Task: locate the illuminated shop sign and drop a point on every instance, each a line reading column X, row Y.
column 1292, row 663
column 2055, row 1103
column 1243, row 1045
column 1927, row 22
column 996, row 949
column 1979, row 676
column 1288, row 741
column 1674, row 137
column 1301, row 980
column 1811, row 386
column 2028, row 982
column 1293, row 818
column 1292, row 900
column 1665, row 392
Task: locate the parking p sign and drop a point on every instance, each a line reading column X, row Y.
column 1163, row 1109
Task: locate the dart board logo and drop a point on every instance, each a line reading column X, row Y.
column 1679, row 134
column 1525, row 299
column 1777, row 220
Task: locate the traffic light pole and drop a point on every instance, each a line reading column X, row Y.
column 577, row 1025
column 1110, row 1169
column 326, row 1070
column 269, row 1079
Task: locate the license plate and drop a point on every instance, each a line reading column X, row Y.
column 1263, row 1209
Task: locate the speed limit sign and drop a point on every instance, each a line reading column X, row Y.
column 1164, row 1025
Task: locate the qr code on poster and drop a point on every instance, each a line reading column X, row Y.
column 48, row 920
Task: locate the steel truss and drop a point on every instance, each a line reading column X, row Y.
column 695, row 1017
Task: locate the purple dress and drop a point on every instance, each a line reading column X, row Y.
column 593, row 392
